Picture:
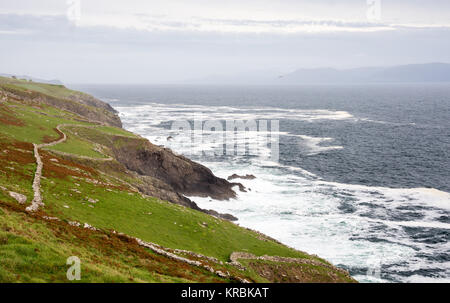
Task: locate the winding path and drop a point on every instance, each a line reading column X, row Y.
column 37, row 199
column 107, row 157
column 37, row 202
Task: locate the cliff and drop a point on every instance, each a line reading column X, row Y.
column 171, row 176
column 74, row 183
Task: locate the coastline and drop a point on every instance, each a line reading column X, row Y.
column 306, row 212
column 107, row 187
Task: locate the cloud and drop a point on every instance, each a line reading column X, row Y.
column 54, row 25
column 235, row 16
column 161, row 46
column 256, row 26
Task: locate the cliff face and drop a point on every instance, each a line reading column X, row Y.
column 102, row 114
column 163, row 173
column 98, row 188
column 183, row 175
column 91, row 101
column 58, row 96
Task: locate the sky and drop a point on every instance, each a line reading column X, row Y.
column 178, row 41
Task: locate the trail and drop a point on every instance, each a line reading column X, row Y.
column 37, row 198
column 38, row 202
column 107, row 158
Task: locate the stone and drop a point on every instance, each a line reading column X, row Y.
column 90, row 200
column 18, row 197
column 246, row 177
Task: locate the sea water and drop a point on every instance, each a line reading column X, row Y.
column 363, row 175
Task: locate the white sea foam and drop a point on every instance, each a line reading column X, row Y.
column 425, row 196
column 305, row 214
column 314, row 144
column 157, row 113
column 355, row 226
column 385, row 122
column 421, row 279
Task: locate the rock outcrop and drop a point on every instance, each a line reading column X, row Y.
column 165, row 175
column 246, row 177
column 154, row 187
column 183, row 175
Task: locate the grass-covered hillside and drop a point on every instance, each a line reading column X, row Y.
column 113, row 218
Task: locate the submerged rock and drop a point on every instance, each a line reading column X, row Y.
column 246, row 177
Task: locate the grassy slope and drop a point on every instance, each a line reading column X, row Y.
column 282, row 272
column 68, row 186
column 53, row 90
column 33, row 250
column 60, row 97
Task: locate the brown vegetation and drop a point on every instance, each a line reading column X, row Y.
column 64, row 167
column 113, row 245
column 7, row 117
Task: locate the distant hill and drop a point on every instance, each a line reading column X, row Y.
column 431, row 72
column 28, row 78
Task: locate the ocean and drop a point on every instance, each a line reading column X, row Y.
column 363, row 173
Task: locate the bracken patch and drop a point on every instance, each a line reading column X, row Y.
column 119, row 250
column 61, row 169
column 12, row 152
column 7, row 117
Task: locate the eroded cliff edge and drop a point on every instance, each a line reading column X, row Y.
column 161, row 172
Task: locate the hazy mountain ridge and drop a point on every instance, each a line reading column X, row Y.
column 430, row 72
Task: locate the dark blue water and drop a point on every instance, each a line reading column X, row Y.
column 404, row 142
column 372, row 149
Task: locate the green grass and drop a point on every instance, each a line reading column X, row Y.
column 116, row 131
column 17, row 166
column 82, row 142
column 77, row 146
column 35, row 251
column 54, row 90
column 37, row 123
column 11, row 180
column 283, row 272
column 168, row 224
column 59, row 97
column 106, row 136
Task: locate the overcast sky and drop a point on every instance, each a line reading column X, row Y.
column 144, row 41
